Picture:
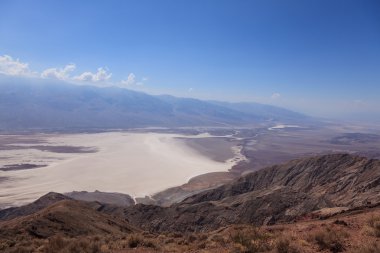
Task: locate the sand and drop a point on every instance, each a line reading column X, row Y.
column 283, row 127
column 138, row 164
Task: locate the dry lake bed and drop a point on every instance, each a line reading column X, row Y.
column 138, row 164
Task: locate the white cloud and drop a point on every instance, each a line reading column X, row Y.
column 61, row 74
column 190, row 89
column 100, row 76
column 275, row 95
column 131, row 79
column 14, row 67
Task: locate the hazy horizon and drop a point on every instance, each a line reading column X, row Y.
column 320, row 58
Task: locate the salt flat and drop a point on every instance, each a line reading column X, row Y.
column 138, row 164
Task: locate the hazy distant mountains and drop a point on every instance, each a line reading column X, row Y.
column 43, row 104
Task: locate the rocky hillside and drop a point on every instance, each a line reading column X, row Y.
column 342, row 179
column 70, row 226
column 280, row 193
column 75, row 226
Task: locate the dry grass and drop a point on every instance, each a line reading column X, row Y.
column 330, row 239
column 373, row 247
column 285, row 245
column 374, row 225
column 59, row 244
column 251, row 240
column 303, row 237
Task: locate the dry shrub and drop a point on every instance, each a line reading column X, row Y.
column 374, row 224
column 149, row 244
column 191, row 238
column 250, row 241
column 330, row 239
column 201, row 245
column 340, row 222
column 285, row 245
column 202, row 237
column 218, row 239
column 5, row 244
column 169, row 240
column 80, row 245
column 183, row 242
column 135, row 241
column 57, row 242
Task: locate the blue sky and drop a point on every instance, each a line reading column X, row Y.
column 317, row 57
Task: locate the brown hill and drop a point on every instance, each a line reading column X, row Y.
column 41, row 203
column 66, row 217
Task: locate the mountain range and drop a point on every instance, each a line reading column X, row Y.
column 47, row 104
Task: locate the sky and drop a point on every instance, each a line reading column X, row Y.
column 320, row 57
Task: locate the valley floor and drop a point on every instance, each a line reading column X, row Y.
column 138, row 164
column 33, row 164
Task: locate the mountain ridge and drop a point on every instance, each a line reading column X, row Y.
column 280, row 193
column 47, row 104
